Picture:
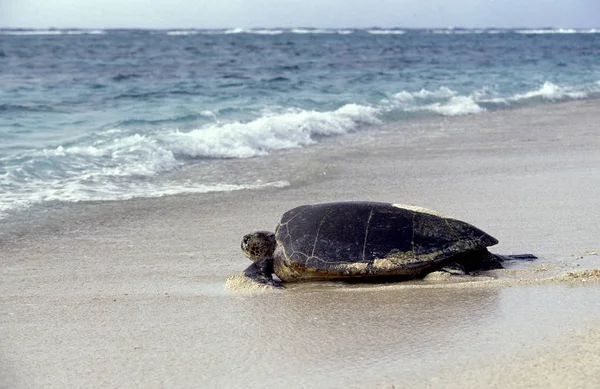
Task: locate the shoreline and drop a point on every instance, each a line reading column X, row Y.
column 410, row 128
column 131, row 293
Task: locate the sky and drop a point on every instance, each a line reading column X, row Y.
column 298, row 13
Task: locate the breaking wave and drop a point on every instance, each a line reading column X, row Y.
column 386, row 32
column 292, row 129
column 121, row 163
column 559, row 31
column 52, row 32
column 447, row 102
column 550, row 91
column 443, row 101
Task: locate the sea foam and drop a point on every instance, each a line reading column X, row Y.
column 183, row 32
column 78, row 188
column 447, row 102
column 117, row 164
column 550, row 91
column 443, row 101
column 312, row 31
column 558, row 31
column 291, row 129
column 52, row 32
column 386, row 32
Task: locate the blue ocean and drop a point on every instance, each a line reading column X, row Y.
column 96, row 115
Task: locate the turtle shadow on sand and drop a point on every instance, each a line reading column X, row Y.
column 367, row 242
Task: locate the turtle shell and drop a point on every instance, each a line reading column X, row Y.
column 349, row 239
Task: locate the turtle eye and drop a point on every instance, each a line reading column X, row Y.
column 246, row 239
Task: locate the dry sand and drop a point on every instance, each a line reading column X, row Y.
column 131, row 294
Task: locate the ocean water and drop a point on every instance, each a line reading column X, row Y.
column 113, row 114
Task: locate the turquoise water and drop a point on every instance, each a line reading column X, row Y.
column 108, row 114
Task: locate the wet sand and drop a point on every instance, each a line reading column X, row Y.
column 131, row 294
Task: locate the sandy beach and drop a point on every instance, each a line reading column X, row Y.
column 131, row 294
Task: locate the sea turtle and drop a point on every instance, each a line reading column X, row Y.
column 366, row 241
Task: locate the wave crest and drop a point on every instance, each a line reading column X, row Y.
column 443, row 101
column 52, row 32
column 550, row 91
column 297, row 128
column 558, row 31
column 386, row 32
column 447, row 102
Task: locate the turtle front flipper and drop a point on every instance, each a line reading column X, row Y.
column 261, row 272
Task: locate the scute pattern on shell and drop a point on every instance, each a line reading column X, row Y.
column 367, row 238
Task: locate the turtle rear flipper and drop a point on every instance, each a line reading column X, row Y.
column 474, row 261
column 261, row 272
column 454, row 268
column 493, row 261
column 517, row 257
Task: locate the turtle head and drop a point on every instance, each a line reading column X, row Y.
column 259, row 245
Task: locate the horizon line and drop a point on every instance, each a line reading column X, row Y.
column 303, row 27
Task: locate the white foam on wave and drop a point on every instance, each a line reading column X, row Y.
column 265, row 32
column 235, row 31
column 547, row 91
column 451, row 31
column 550, row 91
column 443, row 101
column 312, row 31
column 291, row 129
column 126, row 156
column 457, row 105
column 85, row 32
column 78, row 188
column 278, row 31
column 447, row 102
column 386, row 32
column 61, row 151
column 52, row 32
column 183, row 32
column 119, row 165
column 33, row 32
column 255, row 31
column 119, row 153
column 558, row 31
column 117, row 168
column 548, row 31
